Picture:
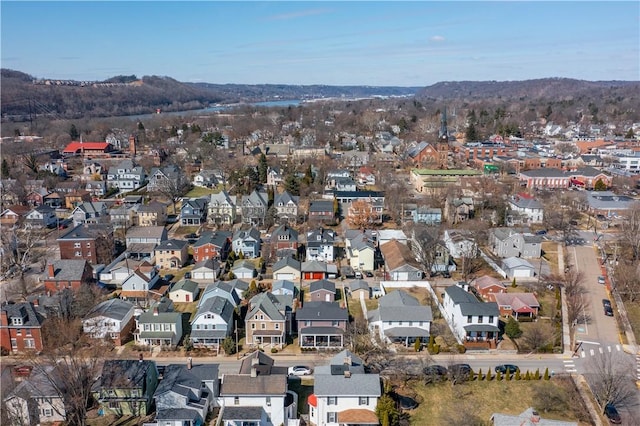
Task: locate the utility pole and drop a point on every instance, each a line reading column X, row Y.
column 237, row 350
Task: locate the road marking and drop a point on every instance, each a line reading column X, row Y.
column 609, row 349
column 589, row 342
column 582, row 355
column 618, row 348
column 602, row 351
column 592, row 352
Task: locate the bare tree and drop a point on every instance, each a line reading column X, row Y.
column 540, row 337
column 20, row 246
column 428, row 245
column 611, row 377
column 630, row 232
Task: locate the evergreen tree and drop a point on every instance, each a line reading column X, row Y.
column 262, row 168
column 480, row 375
column 308, row 176
column 292, row 184
column 498, row 376
column 512, row 329
column 471, row 133
column 546, row 374
column 527, row 376
column 5, row 169
column 489, row 375
column 537, row 376
column 386, row 411
column 517, row 375
column 74, row 133
column 417, row 345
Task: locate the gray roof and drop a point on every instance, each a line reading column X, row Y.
column 267, row 303
column 322, row 285
column 406, row 332
column 359, row 285
column 244, row 234
column 322, row 330
column 160, row 318
column 321, row 311
column 112, row 308
column 526, row 203
column 283, row 284
column 157, row 232
column 286, row 261
column 516, row 262
column 124, row 373
column 178, row 414
column 186, row 285
column 218, row 239
column 258, row 359
column 469, row 304
column 607, row 200
column 284, row 230
column 480, row 327
column 243, row 413
column 244, row 384
column 398, row 298
column 355, row 385
column 68, row 269
column 171, row 245
column 319, row 206
column 216, row 305
column 25, row 310
column 82, row 232
column 314, row 266
column 179, row 379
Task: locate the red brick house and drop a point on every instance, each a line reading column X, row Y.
column 321, row 211
column 93, row 243
column 67, row 273
column 486, row 286
column 284, row 242
column 517, row 304
column 21, row 328
column 212, row 245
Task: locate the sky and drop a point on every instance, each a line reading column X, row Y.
column 380, row 43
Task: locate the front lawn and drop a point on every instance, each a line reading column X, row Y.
column 199, row 191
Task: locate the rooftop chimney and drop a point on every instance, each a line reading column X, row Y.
column 255, row 361
column 347, row 374
column 189, row 363
column 52, row 270
column 347, row 360
column 254, row 371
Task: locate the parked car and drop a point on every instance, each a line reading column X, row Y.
column 446, row 274
column 369, row 274
column 169, row 277
column 299, row 370
column 542, row 232
column 606, row 302
column 192, row 235
column 187, row 275
column 434, row 373
column 612, row 414
column 504, row 367
column 601, row 280
column 608, row 311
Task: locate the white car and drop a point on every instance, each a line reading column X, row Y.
column 299, row 370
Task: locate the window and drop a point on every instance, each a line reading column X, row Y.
column 253, row 325
column 268, row 400
column 331, row 417
column 399, row 322
column 89, row 245
column 47, row 412
column 277, row 325
column 263, row 326
column 14, row 344
column 27, row 332
column 18, row 332
column 363, row 400
column 78, row 254
column 480, row 319
column 307, row 323
column 332, row 400
column 469, row 319
column 236, row 400
column 76, row 245
column 490, row 319
column 16, row 321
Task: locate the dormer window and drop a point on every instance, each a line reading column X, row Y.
column 16, row 321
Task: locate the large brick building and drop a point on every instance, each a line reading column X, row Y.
column 67, row 273
column 94, row 243
column 21, row 328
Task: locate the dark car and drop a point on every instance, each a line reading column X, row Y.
column 608, row 311
column 504, row 367
column 368, row 274
column 169, row 277
column 542, row 232
column 612, row 414
column 192, row 235
column 446, row 274
column 606, row 302
column 434, row 373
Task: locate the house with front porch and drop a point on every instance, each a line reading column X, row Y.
column 286, row 206
column 247, row 242
column 212, row 323
column 524, row 209
column 517, row 305
column 268, row 320
column 193, row 212
column 320, row 245
column 321, row 325
column 253, row 207
column 159, row 326
column 400, row 318
column 514, row 242
column 222, row 209
column 111, row 319
column 171, row 254
column 473, row 323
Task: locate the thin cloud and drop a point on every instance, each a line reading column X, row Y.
column 437, row 38
column 300, row 14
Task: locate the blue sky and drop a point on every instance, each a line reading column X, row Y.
column 337, row 43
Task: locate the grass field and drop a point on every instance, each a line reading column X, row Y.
column 443, row 403
column 198, row 191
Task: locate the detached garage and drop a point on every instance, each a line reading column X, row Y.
column 516, row 267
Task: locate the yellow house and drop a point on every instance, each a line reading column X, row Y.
column 152, row 214
column 171, row 254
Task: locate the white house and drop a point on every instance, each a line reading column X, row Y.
column 36, row 400
column 213, row 322
column 320, row 245
column 470, row 320
column 282, row 287
column 360, row 250
column 528, row 208
column 343, row 393
column 516, row 267
column 112, row 318
column 254, row 399
column 221, row 289
column 159, row 326
column 460, row 243
column 184, row 291
column 400, row 318
column 287, row 268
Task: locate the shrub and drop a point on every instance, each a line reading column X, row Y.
column 498, row 376
column 517, row 375
column 274, row 350
column 507, row 376
column 536, row 376
column 489, row 376
column 512, row 328
column 527, row 376
column 480, row 376
column 417, row 345
column 546, row 374
column 461, row 349
column 229, row 346
column 513, row 283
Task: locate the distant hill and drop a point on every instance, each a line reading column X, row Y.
column 23, row 94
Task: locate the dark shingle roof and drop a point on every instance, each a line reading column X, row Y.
column 321, row 310
column 244, row 384
column 112, row 308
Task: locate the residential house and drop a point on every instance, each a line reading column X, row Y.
column 516, row 267
column 432, row 252
column 90, row 212
column 247, row 242
column 36, row 400
column 321, row 211
column 608, row 203
column 314, row 270
column 126, row 176
column 514, row 242
column 126, row 387
column 152, row 214
column 427, row 215
column 225, row 289
column 193, row 212
column 114, row 274
column 359, row 289
column 93, row 243
column 384, row 236
column 67, row 273
column 207, row 178
column 213, row 322
column 184, row 291
column 111, row 319
column 274, row 177
column 54, row 200
column 266, row 320
column 458, row 210
column 159, row 326
column 222, row 209
column 286, row 206
column 171, row 254
column 340, row 183
column 400, row 318
column 42, row 216
column 75, row 198
column 244, row 269
column 524, row 209
column 322, row 290
column 142, row 240
column 360, row 250
column 205, row 270
column 487, row 286
column 473, row 323
column 92, row 170
column 320, row 245
column 161, row 179
column 343, row 393
column 400, row 262
column 33, row 198
column 366, row 176
column 212, row 245
column 13, row 214
column 284, row 242
column 21, row 328
column 97, row 188
column 123, row 216
column 287, row 268
column 284, row 287
column 186, row 394
column 142, row 285
column 321, row 324
column 255, row 399
column 517, row 305
column 254, row 207
column 460, row 243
